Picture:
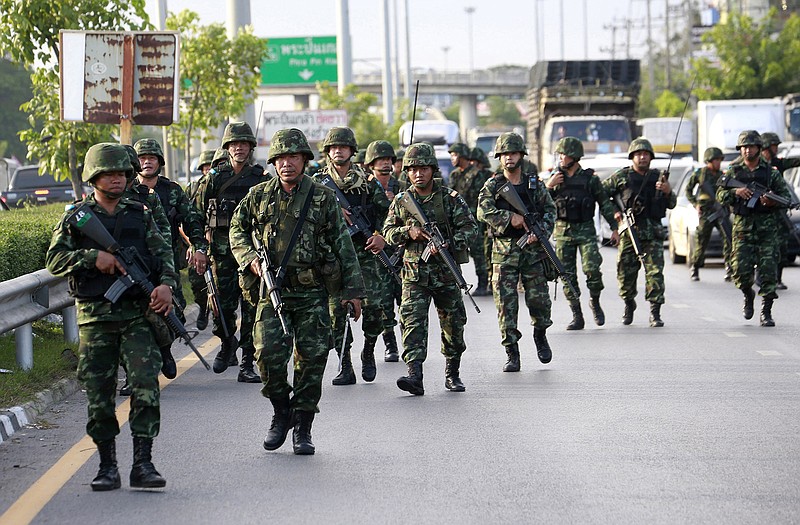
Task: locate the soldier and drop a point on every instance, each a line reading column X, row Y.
column 219, row 196
column 111, row 333
column 358, row 158
column 642, row 190
column 398, row 163
column 467, row 180
column 754, row 229
column 367, row 195
column 575, row 192
column 321, row 263
column 479, row 159
column 423, row 281
column 701, row 192
column 379, row 159
column 196, row 280
column 512, row 264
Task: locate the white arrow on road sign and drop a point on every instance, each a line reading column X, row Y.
column 306, row 74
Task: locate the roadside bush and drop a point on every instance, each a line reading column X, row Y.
column 24, row 237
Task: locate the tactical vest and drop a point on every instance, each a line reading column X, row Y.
column 759, row 176
column 128, row 228
column 526, row 193
column 574, row 201
column 220, row 209
column 440, row 218
column 162, row 189
column 640, row 196
column 363, row 202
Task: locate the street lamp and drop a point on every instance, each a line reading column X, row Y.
column 469, row 11
column 445, row 49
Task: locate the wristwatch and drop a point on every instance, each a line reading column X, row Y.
column 201, row 250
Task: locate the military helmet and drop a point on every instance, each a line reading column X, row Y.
column 509, row 142
column 340, row 137
column 134, row 158
column 712, row 153
column 106, row 157
column 238, row 131
column 571, row 147
column 769, row 138
column 640, row 144
column 360, row 156
column 400, row 154
column 459, row 148
column 379, row 149
column 149, row 147
column 421, row 154
column 749, row 137
column 206, row 157
column 477, row 154
column 220, row 156
column 287, row 142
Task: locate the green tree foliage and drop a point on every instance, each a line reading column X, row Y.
column 502, row 112
column 754, row 60
column 15, row 85
column 668, row 104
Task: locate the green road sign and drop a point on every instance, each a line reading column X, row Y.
column 303, row 60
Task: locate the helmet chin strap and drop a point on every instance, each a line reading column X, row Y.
column 114, row 195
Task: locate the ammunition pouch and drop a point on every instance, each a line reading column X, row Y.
column 549, row 269
column 219, row 213
column 332, row 276
column 162, row 333
column 461, row 256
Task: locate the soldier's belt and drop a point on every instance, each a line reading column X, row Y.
column 304, row 278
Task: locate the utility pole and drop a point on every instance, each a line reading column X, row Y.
column 585, row 31
column 408, row 55
column 470, row 10
column 396, row 51
column 613, row 48
column 651, row 74
column 667, row 49
column 561, row 13
column 344, row 63
column 386, row 77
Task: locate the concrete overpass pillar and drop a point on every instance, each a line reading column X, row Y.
column 467, row 114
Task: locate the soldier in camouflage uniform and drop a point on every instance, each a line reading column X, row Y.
column 423, row 281
column 398, row 165
column 196, row 280
column 512, row 264
column 380, row 159
column 575, row 192
column 111, row 333
column 468, row 180
column 367, row 194
column 479, row 159
column 322, row 263
column 701, row 193
column 643, row 190
column 754, row 229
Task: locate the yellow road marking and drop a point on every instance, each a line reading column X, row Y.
column 29, row 504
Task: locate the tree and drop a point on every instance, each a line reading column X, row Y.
column 219, row 76
column 502, row 112
column 15, row 85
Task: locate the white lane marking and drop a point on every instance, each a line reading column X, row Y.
column 734, row 334
column 709, row 319
column 680, row 305
column 768, row 353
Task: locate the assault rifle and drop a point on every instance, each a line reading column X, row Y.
column 350, row 312
column 137, row 273
column 213, row 300
column 758, row 191
column 533, row 226
column 720, row 214
column 628, row 222
column 359, row 223
column 269, row 281
column 436, row 241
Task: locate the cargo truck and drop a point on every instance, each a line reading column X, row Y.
column 719, row 122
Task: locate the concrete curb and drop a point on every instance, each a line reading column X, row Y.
column 15, row 418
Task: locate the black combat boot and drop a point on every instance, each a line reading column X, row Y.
column 482, row 290
column 542, row 346
column 412, row 383
column 281, row 423
column 577, row 322
column 108, row 476
column 655, row 316
column 368, row 368
column 125, row 390
column 392, row 355
column 512, row 364
column 749, row 297
column 346, row 375
column 202, row 317
column 168, row 366
column 143, row 474
column 246, row 372
column 452, row 381
column 630, row 307
column 234, row 361
column 779, row 285
column 223, row 357
column 599, row 314
column 301, row 437
column 766, row 312
column 694, row 273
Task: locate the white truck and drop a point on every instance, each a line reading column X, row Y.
column 719, row 122
column 662, row 133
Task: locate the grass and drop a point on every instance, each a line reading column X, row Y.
column 49, row 366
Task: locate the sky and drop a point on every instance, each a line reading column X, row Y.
column 503, row 31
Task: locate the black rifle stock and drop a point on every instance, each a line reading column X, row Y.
column 359, row 224
column 436, row 241
column 533, row 226
column 137, row 273
column 269, row 281
column 628, row 222
column 213, row 300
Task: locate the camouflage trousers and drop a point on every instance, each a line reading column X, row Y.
column 371, row 306
column 391, row 295
column 628, row 268
column 104, row 345
column 230, row 298
column 432, row 284
column 703, row 235
column 506, row 275
column 198, row 285
column 567, row 249
column 478, row 254
column 756, row 244
column 782, row 240
column 308, row 321
column 487, row 250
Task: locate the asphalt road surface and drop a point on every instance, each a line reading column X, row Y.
column 695, row 422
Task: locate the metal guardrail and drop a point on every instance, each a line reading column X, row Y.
column 28, row 298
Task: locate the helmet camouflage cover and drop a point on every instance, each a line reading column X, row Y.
column 509, row 142
column 340, row 137
column 749, row 137
column 640, row 144
column 360, row 156
column 134, row 158
column 571, row 147
column 421, row 154
column 106, row 157
column 149, row 147
column 477, row 154
column 379, row 149
column 236, row 132
column 206, row 157
column 769, row 138
column 287, row 142
column 459, row 148
column 712, row 153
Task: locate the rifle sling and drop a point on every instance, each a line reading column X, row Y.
column 295, row 235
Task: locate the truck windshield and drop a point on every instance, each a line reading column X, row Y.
column 592, row 131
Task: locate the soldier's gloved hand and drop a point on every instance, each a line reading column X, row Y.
column 356, row 307
column 161, row 299
column 109, row 264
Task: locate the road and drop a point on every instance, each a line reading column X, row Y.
column 693, row 422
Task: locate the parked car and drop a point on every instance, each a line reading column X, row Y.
column 29, row 186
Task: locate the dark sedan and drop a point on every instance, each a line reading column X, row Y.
column 30, row 187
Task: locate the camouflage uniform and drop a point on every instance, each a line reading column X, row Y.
column 196, row 281
column 431, row 280
column 483, row 164
column 322, row 250
column 114, row 333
